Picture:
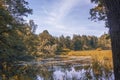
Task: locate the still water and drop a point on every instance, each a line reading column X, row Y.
column 62, row 69
column 75, row 72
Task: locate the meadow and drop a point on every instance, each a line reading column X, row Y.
column 99, row 57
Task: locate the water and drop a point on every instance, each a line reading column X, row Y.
column 81, row 68
column 75, row 72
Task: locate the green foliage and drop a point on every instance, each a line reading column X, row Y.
column 11, row 29
column 46, row 44
column 76, row 42
column 32, row 25
column 99, row 12
column 17, row 8
column 82, row 42
column 104, row 42
column 13, row 35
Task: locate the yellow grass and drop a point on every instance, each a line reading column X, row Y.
column 103, row 56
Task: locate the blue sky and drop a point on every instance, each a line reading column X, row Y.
column 65, row 17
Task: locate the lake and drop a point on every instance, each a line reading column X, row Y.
column 61, row 68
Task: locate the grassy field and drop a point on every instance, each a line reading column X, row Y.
column 103, row 57
column 100, row 55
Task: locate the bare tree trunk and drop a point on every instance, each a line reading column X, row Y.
column 113, row 15
column 115, row 38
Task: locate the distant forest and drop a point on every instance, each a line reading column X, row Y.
column 50, row 44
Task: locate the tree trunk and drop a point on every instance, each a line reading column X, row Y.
column 113, row 15
column 115, row 38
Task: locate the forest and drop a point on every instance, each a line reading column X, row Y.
column 48, row 44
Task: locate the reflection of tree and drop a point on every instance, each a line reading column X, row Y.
column 31, row 72
column 47, row 75
column 26, row 72
column 77, row 68
column 18, row 72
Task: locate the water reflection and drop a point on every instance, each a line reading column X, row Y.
column 68, row 75
column 76, row 73
column 79, row 71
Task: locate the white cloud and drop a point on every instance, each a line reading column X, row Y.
column 53, row 18
column 66, row 7
column 60, row 10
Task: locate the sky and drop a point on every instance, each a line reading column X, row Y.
column 65, row 17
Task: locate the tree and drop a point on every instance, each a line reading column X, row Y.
column 47, row 45
column 33, row 26
column 17, row 8
column 62, row 41
column 11, row 13
column 77, row 42
column 92, row 42
column 109, row 10
column 12, row 48
column 67, row 42
column 104, row 41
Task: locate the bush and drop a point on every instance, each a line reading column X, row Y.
column 99, row 49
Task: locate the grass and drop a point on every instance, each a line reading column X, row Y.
column 103, row 57
column 100, row 55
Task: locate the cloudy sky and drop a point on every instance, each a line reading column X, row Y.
column 65, row 17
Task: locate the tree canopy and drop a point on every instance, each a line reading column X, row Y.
column 98, row 13
column 12, row 33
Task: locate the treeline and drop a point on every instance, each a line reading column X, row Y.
column 84, row 42
column 48, row 44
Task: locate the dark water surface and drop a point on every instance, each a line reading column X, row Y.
column 74, row 68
